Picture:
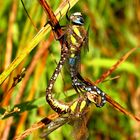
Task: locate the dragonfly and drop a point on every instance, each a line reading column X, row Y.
column 77, row 37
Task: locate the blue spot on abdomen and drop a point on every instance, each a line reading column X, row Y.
column 72, row 61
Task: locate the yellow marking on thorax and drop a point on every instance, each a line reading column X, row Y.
column 77, row 32
column 73, row 40
column 82, row 106
column 73, row 106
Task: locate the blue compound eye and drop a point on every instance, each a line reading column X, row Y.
column 79, row 21
column 77, row 18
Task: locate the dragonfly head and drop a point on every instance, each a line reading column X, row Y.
column 76, row 18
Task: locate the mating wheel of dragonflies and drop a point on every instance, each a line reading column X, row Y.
column 76, row 37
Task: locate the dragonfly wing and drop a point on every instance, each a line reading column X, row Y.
column 86, row 41
column 53, row 125
column 80, row 130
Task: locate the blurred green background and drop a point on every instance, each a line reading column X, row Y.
column 114, row 30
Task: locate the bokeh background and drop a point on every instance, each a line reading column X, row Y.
column 114, row 30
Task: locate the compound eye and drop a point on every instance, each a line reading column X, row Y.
column 76, row 18
column 95, row 98
column 79, row 20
